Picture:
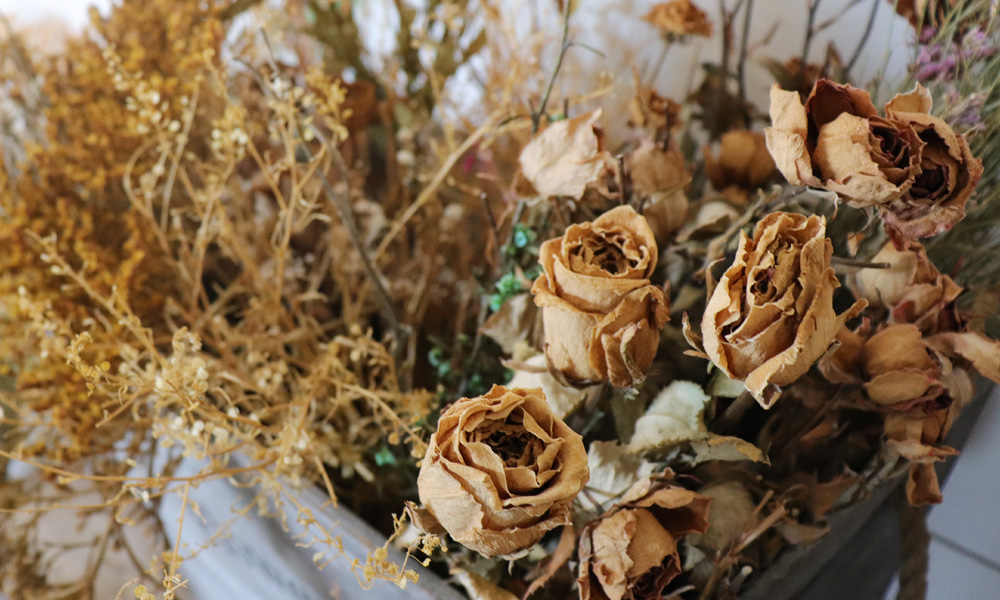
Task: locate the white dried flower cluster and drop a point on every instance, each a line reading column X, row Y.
column 185, row 375
column 229, row 137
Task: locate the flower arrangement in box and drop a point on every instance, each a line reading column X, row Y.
column 551, row 342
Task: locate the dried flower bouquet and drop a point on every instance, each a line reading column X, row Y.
column 544, row 354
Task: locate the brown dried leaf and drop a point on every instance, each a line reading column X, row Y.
column 727, row 448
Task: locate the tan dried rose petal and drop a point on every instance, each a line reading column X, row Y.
column 843, row 156
column 502, row 470
column 917, row 440
column 912, row 289
column 566, row 157
column 916, row 101
column 980, row 351
column 845, row 365
column 786, row 138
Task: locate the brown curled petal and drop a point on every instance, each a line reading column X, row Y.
column 828, row 100
column 629, row 335
column 978, row 350
column 903, row 385
column 922, row 485
column 917, row 100
column 844, row 157
column 786, row 138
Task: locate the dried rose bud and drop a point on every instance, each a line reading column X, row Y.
column 601, row 315
column 912, row 289
column 771, row 315
column 899, row 369
column 679, row 18
column 905, row 370
column 660, row 178
column 630, row 553
column 733, row 514
column 918, row 439
column 502, row 470
column 652, row 111
column 909, row 164
column 566, row 157
column 742, row 165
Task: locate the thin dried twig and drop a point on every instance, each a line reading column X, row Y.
column 859, row 264
column 342, row 203
column 741, row 77
column 807, row 42
column 864, row 37
column 427, row 193
column 536, row 116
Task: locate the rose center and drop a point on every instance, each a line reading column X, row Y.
column 928, row 182
column 611, row 259
column 514, row 445
column 763, row 282
column 892, row 145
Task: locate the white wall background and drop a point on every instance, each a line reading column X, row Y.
column 70, row 12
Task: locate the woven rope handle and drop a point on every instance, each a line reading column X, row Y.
column 916, row 544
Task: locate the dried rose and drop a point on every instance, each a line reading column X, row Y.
column 652, row 111
column 679, row 18
column 771, row 315
column 912, row 289
column 742, row 165
column 630, row 552
column 898, row 369
column 948, row 173
column 602, row 317
column 660, row 179
column 917, row 435
column 502, row 470
column 566, row 157
column 902, row 369
column 924, row 389
column 910, row 164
